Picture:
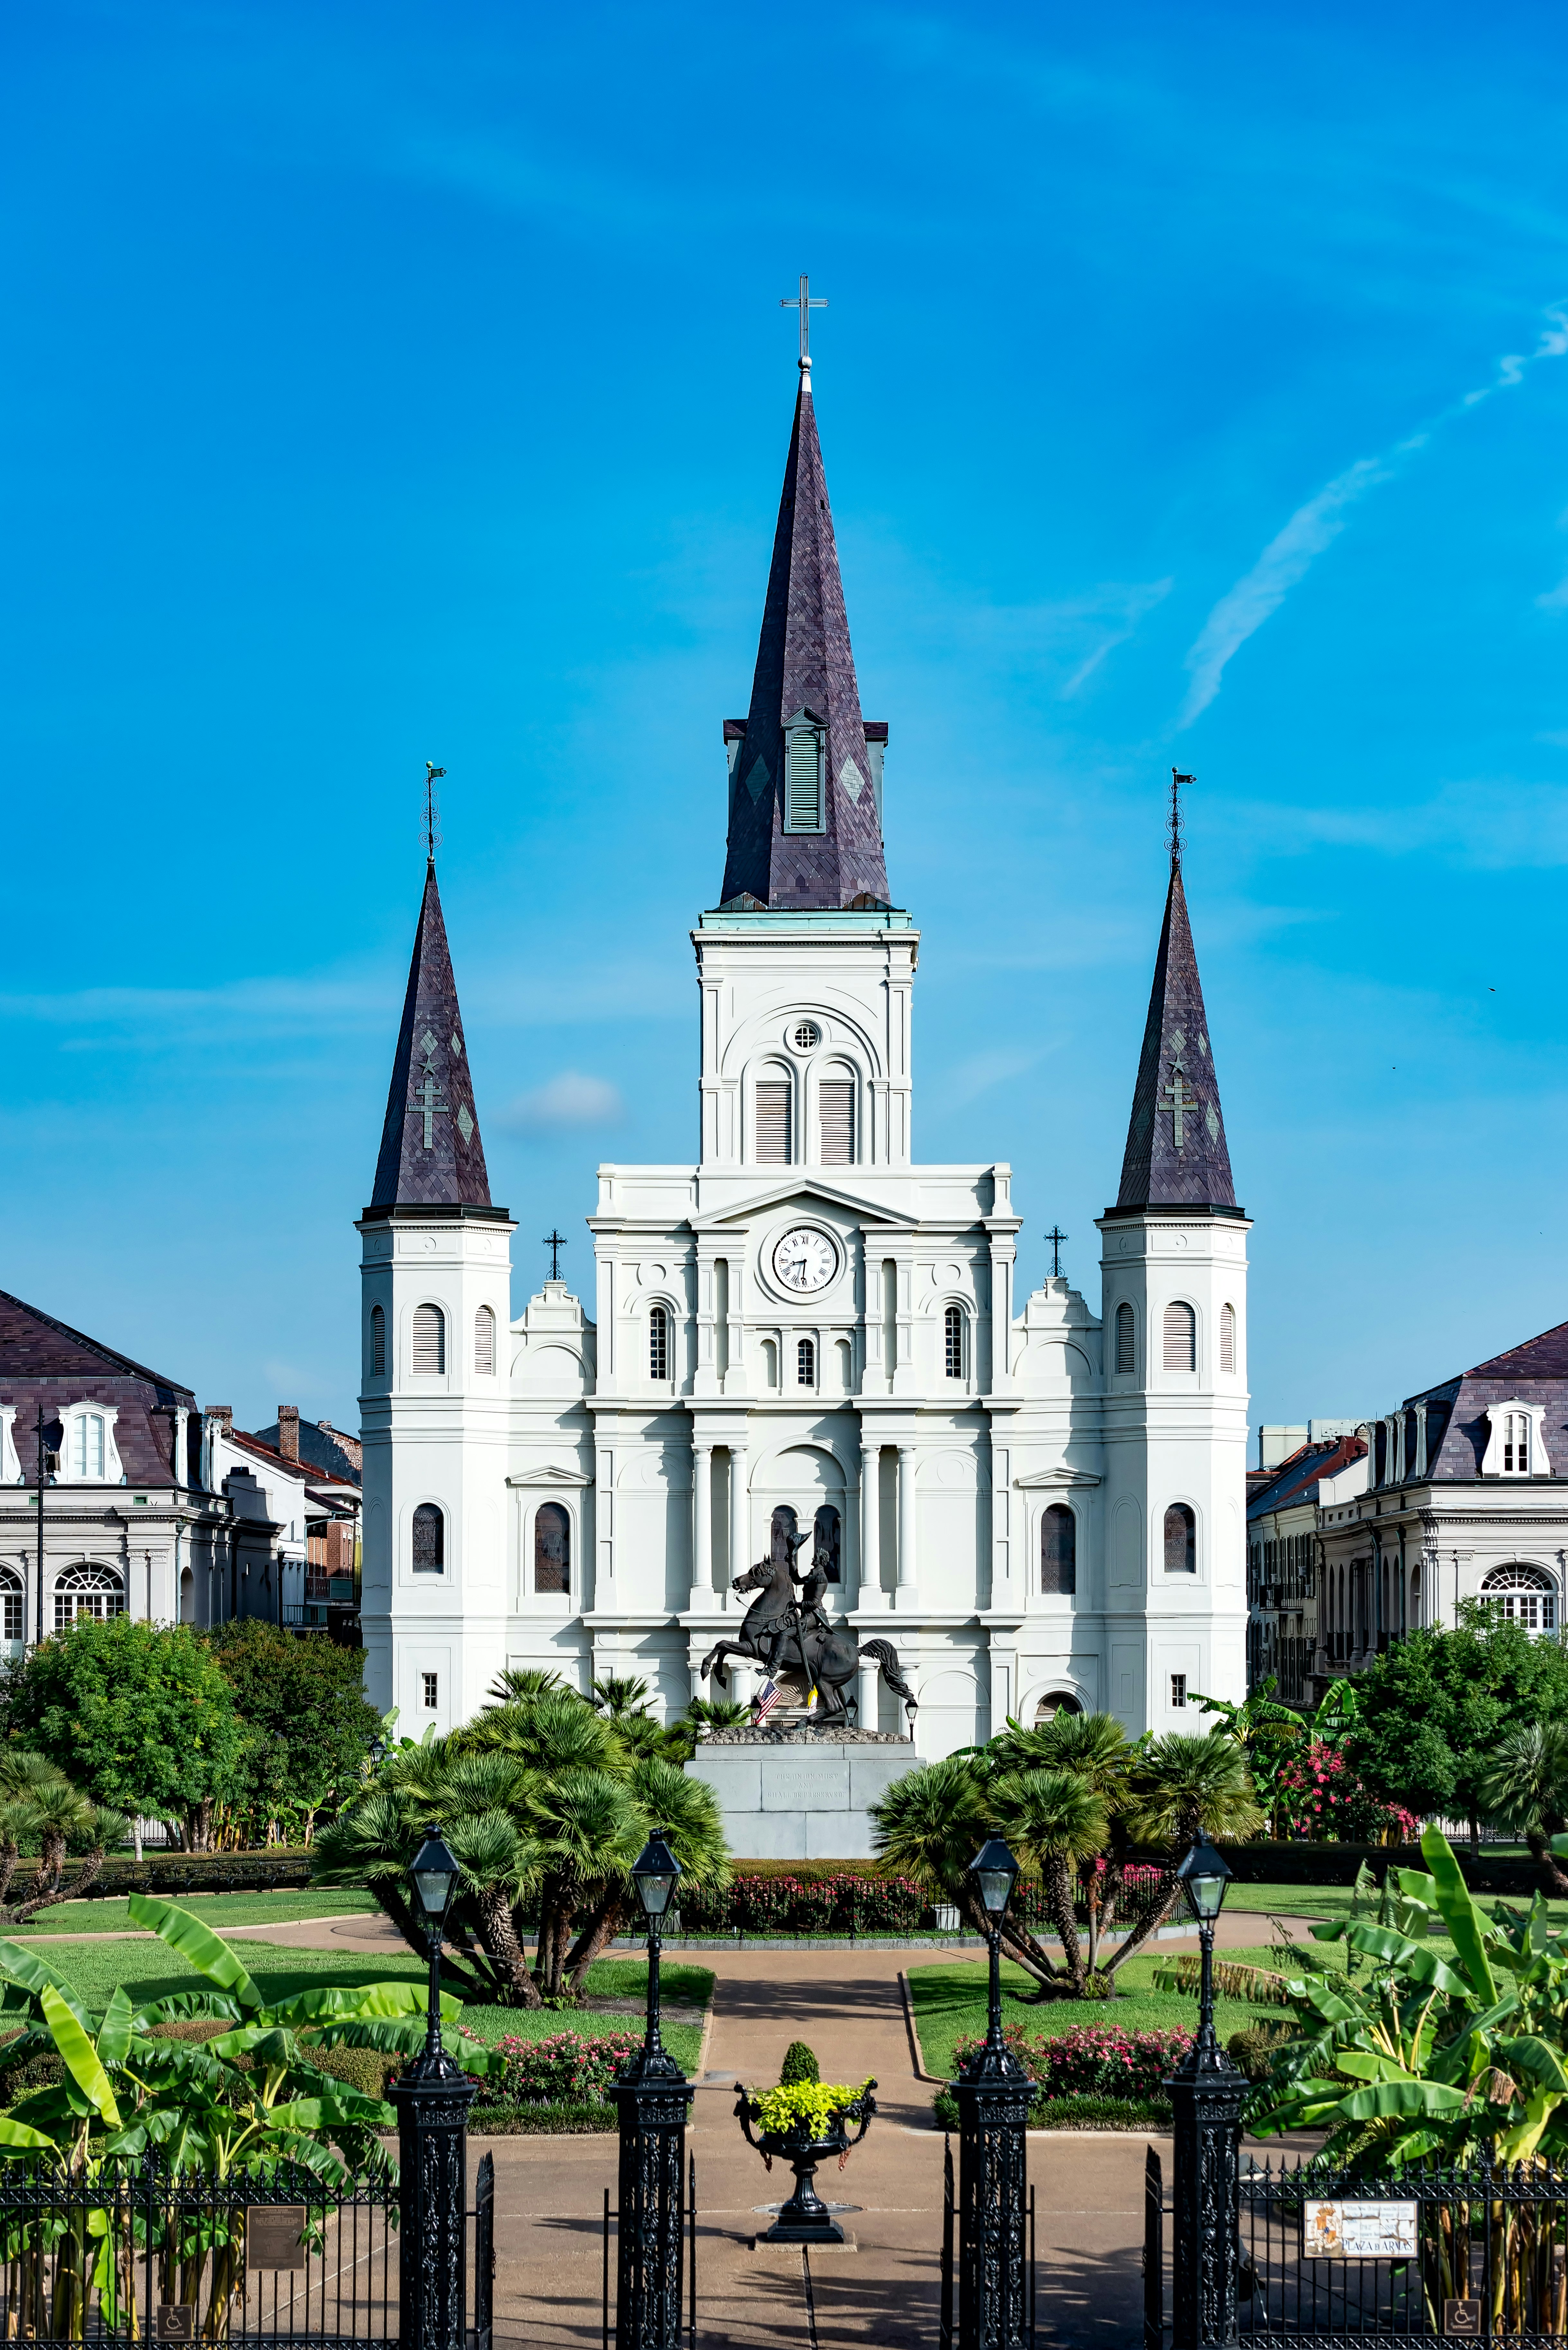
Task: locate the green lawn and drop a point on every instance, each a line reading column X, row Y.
column 950, row 2003
column 148, row 1969
column 215, row 1909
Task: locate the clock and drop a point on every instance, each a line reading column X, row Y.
column 804, row 1261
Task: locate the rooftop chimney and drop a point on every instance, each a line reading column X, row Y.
column 222, row 1413
column 288, row 1431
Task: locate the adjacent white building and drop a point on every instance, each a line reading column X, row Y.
column 1037, row 1503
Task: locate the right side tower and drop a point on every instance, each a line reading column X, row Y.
column 1174, row 1276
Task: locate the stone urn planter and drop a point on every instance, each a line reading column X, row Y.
column 805, row 2218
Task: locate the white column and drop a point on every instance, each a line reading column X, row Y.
column 740, row 1543
column 870, row 1676
column 907, row 1572
column 870, row 1594
column 701, row 1523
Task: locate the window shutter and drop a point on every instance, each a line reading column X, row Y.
column 1126, row 1340
column 837, row 1110
column 485, row 1342
column 1181, row 1338
column 773, row 1125
column 430, row 1339
column 378, row 1343
column 1228, row 1339
column 802, row 784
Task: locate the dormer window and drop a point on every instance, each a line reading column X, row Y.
column 1515, row 1444
column 84, row 1447
column 804, row 775
column 1516, row 1440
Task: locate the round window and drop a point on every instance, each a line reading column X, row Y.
column 807, row 1035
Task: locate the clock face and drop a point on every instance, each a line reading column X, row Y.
column 804, row 1261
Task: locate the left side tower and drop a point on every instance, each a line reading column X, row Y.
column 436, row 1262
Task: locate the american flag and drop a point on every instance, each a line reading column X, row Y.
column 763, row 1704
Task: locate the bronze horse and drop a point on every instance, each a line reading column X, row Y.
column 779, row 1633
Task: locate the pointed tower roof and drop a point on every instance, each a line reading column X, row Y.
column 431, row 1156
column 804, row 679
column 1176, row 1154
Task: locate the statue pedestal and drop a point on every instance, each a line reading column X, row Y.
column 792, row 1793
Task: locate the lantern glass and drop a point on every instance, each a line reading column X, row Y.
column 994, row 1871
column 653, row 1873
column 435, row 1874
column 1203, row 1876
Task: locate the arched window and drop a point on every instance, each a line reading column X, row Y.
column 806, row 1362
column 1522, row 1594
column 824, row 1545
column 1228, row 1338
column 430, row 1339
column 953, row 1342
column 552, row 1548
column 485, row 1343
column 1126, row 1340
column 429, row 1540
column 657, row 1343
column 11, row 1610
column 1180, row 1328
column 1059, row 1550
column 1415, row 1599
column 378, row 1343
column 1056, row 1702
column 1515, row 1443
column 1180, row 1540
column 85, row 1446
column 93, row 1591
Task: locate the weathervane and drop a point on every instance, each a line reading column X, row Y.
column 806, row 302
column 1055, row 1236
column 1173, row 823
column 555, row 1241
column 432, row 810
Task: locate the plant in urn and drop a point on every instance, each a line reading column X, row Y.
column 803, row 2124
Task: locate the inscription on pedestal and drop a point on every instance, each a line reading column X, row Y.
column 813, row 1785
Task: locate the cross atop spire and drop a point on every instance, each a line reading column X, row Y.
column 432, row 810
column 431, row 1155
column 806, row 302
column 1174, row 825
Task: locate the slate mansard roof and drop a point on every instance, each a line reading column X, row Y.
column 1535, row 1372
column 431, row 1155
column 46, row 1362
column 1176, row 1152
column 804, row 662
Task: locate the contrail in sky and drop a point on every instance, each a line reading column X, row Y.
column 1245, row 607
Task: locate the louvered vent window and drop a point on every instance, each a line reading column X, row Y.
column 773, row 1125
column 378, row 1343
column 430, row 1339
column 659, row 1343
column 1181, row 1338
column 485, row 1342
column 1127, row 1339
column 953, row 1342
column 803, row 781
column 1228, row 1338
column 837, row 1110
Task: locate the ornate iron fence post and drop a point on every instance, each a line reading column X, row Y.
column 1206, row 2098
column 433, row 2099
column 993, row 2092
column 653, row 2096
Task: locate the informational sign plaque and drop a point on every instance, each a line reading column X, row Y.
column 1346, row 2229
column 272, row 2232
column 1462, row 2317
column 173, row 2320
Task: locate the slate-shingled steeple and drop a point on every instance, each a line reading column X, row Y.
column 431, row 1156
column 1176, row 1154
column 806, row 673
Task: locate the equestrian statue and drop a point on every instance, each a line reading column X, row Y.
column 784, row 1634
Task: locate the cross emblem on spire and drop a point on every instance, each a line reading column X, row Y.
column 555, row 1241
column 806, row 302
column 1177, row 1099
column 1055, row 1236
column 426, row 1097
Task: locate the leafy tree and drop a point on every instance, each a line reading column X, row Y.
column 303, row 1702
column 1526, row 1792
column 138, row 1716
column 1438, row 1705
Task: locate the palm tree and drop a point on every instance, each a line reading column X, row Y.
column 1053, row 1819
column 616, row 1696
column 38, row 1805
column 517, row 1681
column 1525, row 1791
column 717, row 1713
column 1180, row 1784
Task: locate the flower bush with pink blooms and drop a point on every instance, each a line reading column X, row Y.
column 1093, row 2060
column 569, row 2068
column 1324, row 1801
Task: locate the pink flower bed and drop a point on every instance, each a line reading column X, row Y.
column 1094, row 2060
column 569, row 2068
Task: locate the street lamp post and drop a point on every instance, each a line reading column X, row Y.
column 433, row 2098
column 1206, row 2096
column 993, row 2092
column 653, row 2096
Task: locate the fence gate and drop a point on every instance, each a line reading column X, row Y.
column 484, row 2254
column 1153, row 2252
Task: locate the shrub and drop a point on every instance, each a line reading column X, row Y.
column 1253, row 2049
column 799, row 2065
column 1093, row 2060
column 569, row 2068
column 368, row 2070
column 1073, row 2113
column 845, row 1902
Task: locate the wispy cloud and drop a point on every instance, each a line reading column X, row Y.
column 1313, row 526
column 968, row 1079
column 567, row 1101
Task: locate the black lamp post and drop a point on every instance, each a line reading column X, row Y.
column 1206, row 2096
column 993, row 2092
column 433, row 2098
column 653, row 2096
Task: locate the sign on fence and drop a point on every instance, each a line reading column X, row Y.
column 273, row 2233
column 1341, row 2229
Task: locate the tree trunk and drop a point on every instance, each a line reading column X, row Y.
column 395, row 1906
column 1553, row 1880
column 1171, row 1893
column 45, row 1895
column 597, row 1936
column 1059, row 1894
column 498, row 1932
column 199, row 1825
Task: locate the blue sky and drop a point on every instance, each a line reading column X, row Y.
column 392, row 382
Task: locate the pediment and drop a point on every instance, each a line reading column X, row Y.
column 1058, row 1476
column 551, row 1476
column 802, row 1190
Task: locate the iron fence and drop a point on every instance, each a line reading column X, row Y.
column 685, row 2297
column 947, row 2306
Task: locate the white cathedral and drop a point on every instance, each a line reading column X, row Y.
column 1037, row 1505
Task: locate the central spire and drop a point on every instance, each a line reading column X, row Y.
column 431, row 1156
column 806, row 817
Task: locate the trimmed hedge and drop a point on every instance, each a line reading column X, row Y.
column 541, row 2121
column 1270, row 1863
column 187, row 1872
